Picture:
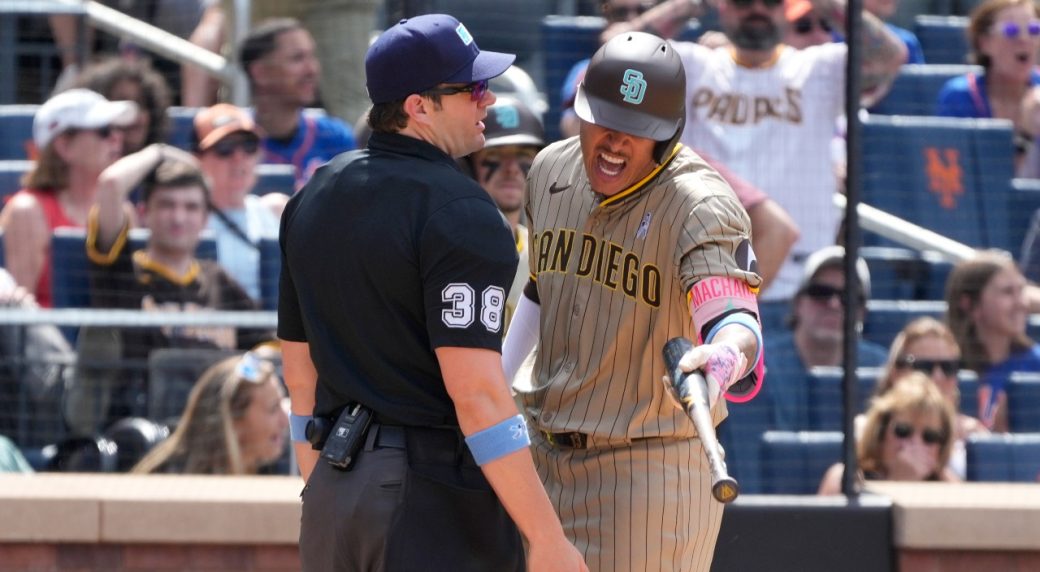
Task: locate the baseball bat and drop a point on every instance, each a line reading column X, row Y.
column 691, row 391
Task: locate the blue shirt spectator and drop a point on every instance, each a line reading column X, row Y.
column 914, row 53
column 317, row 139
column 965, row 96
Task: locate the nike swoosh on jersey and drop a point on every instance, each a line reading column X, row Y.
column 553, row 189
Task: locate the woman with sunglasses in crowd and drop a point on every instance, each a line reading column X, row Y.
column 77, row 134
column 927, row 345
column 908, row 435
column 987, row 313
column 235, row 421
column 1004, row 37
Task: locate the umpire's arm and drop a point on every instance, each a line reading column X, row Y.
column 476, row 384
column 301, row 379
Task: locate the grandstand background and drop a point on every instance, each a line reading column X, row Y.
column 952, row 176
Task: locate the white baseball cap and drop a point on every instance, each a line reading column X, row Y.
column 833, row 256
column 79, row 109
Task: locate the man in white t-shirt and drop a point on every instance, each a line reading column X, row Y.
column 228, row 148
column 769, row 111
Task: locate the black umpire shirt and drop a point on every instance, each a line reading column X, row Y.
column 387, row 253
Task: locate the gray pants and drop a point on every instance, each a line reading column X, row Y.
column 427, row 507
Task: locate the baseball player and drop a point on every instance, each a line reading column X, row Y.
column 634, row 240
column 513, row 135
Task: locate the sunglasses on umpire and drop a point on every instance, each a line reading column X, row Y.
column 928, row 435
column 226, row 147
column 949, row 367
column 805, row 24
column 476, row 90
column 748, row 3
column 1011, row 30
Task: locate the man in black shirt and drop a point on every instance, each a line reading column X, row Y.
column 394, row 278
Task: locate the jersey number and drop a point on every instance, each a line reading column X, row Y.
column 461, row 297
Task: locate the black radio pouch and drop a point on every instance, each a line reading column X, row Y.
column 347, row 436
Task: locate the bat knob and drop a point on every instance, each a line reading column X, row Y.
column 725, row 490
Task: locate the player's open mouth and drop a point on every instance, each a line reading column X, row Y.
column 610, row 165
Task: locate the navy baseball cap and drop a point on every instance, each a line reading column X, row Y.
column 418, row 53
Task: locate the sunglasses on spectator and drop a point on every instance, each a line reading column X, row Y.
column 625, row 13
column 1012, row 30
column 928, row 435
column 805, row 24
column 492, row 161
column 102, row 132
column 822, row 293
column 476, row 90
column 949, row 367
column 748, row 3
column 226, row 147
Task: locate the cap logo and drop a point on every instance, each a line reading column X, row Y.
column 464, row 34
column 507, row 117
column 633, row 86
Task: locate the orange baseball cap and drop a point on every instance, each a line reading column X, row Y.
column 794, row 9
column 217, row 122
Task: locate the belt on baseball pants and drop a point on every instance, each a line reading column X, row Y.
column 570, row 440
column 385, row 436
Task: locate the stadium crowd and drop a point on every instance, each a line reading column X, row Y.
column 161, row 225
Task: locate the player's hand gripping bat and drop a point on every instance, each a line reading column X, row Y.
column 691, row 391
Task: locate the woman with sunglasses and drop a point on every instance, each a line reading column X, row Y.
column 987, row 312
column 76, row 133
column 235, row 421
column 926, row 345
column 907, row 436
column 1004, row 37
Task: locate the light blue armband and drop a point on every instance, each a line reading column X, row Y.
column 748, row 322
column 499, row 440
column 298, row 427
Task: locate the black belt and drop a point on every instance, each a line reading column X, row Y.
column 571, row 440
column 385, row 436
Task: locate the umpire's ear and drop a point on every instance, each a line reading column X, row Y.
column 418, row 108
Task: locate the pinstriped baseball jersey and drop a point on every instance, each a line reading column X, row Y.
column 612, row 277
column 522, row 274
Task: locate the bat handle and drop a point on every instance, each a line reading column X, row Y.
column 725, row 489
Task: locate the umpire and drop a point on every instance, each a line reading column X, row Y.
column 395, row 267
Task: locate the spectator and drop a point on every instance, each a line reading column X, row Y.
column 132, row 80
column 201, row 22
column 234, row 423
column 816, row 337
column 927, row 345
column 986, row 311
column 1004, row 37
column 769, row 113
column 165, row 276
column 805, row 27
column 885, row 9
column 278, row 56
column 907, row 436
column 76, row 135
column 227, row 143
column 34, row 363
column 512, row 137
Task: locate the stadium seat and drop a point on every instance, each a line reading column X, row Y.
column 70, row 275
column 938, row 270
column 793, row 462
column 1024, row 402
column 270, row 268
column 275, row 179
column 740, row 436
column 172, row 372
column 16, row 130
column 885, row 318
column 11, row 173
column 916, row 88
column 943, row 38
column 895, row 273
column 826, row 401
column 1024, row 209
column 1008, row 457
column 181, row 126
column 949, row 175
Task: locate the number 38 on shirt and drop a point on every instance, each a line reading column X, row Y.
column 463, row 301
